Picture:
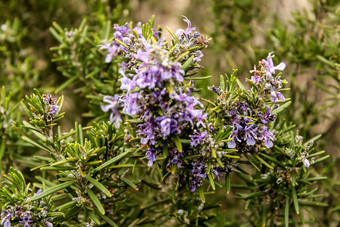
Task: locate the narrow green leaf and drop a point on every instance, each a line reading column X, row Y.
column 312, row 179
column 178, row 143
column 122, row 166
column 264, row 215
column 94, row 217
column 254, row 194
column 227, row 182
column 273, row 160
column 211, row 181
column 172, row 34
column 169, row 86
column 130, row 183
column 320, row 160
column 95, row 201
column 111, row 161
column 281, row 108
column 56, row 35
column 240, row 85
column 182, row 56
column 107, row 219
column 201, row 193
column 263, row 161
column 67, row 205
column 98, row 185
column 295, row 201
column 187, row 63
column 65, row 84
column 287, row 212
column 52, row 190
column 312, row 203
column 36, row 144
column 57, row 168
column 325, row 60
column 199, row 78
column 293, row 178
column 222, row 83
column 121, row 43
column 312, row 140
column 2, row 150
column 165, row 149
column 60, row 30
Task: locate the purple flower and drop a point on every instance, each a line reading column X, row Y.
column 198, row 174
column 38, row 192
column 200, row 119
column 256, row 78
column 146, row 130
column 54, row 109
column 176, row 155
column 121, row 31
column 126, row 82
column 180, row 32
column 277, row 96
column 233, row 135
column 191, row 107
column 26, row 219
column 131, row 106
column 6, row 218
column 215, row 172
column 197, row 169
column 182, row 97
column 306, row 163
column 249, row 135
column 265, row 118
column 151, row 155
column 198, row 138
column 198, row 55
column 270, row 64
column 112, row 51
column 165, row 126
column 267, row 137
column 195, row 183
column 113, row 105
column 7, row 223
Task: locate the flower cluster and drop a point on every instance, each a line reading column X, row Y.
column 155, row 91
column 246, row 129
column 265, row 78
column 51, row 109
column 26, row 214
column 250, row 121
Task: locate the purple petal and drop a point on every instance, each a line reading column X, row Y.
column 231, row 144
column 280, row 66
column 268, row 143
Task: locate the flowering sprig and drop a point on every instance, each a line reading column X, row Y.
column 267, row 83
column 17, row 208
column 153, row 77
column 43, row 110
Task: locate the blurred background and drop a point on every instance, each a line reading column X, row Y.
column 304, row 34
